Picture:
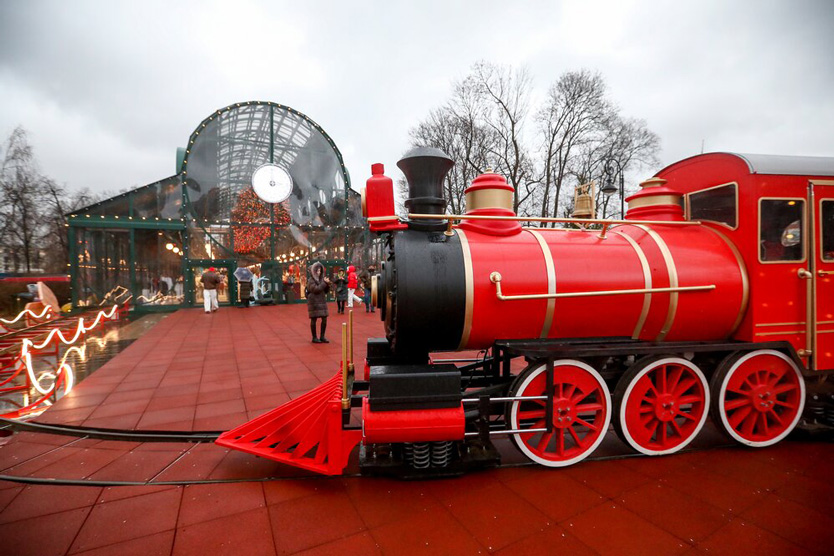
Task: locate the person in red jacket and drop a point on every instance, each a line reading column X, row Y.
column 352, row 284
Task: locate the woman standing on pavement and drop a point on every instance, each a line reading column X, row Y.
column 316, row 290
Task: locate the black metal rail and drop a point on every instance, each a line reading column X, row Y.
column 97, row 433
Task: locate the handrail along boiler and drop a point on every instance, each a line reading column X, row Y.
column 650, row 323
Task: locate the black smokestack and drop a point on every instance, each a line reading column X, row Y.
column 425, row 168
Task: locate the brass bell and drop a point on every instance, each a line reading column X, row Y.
column 583, row 201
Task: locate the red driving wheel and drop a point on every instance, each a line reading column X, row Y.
column 758, row 396
column 662, row 404
column 581, row 413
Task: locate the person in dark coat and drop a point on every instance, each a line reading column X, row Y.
column 211, row 281
column 245, row 292
column 316, row 290
column 365, row 279
column 341, row 291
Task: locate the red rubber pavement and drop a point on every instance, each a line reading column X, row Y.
column 194, row 371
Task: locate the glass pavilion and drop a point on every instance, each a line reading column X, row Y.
column 154, row 242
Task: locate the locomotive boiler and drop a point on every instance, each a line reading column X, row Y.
column 650, row 324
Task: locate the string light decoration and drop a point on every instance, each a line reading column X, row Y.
column 251, row 209
column 62, row 375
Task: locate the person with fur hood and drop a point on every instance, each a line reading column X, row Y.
column 353, row 283
column 316, row 291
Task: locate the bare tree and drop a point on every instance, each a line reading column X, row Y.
column 572, row 119
column 461, row 137
column 57, row 203
column 577, row 132
column 21, row 190
column 502, row 94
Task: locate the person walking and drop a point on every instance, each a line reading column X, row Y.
column 352, row 284
column 316, row 291
column 341, row 291
column 210, row 280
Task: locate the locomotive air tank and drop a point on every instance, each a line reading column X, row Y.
column 489, row 279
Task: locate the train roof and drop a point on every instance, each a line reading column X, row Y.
column 788, row 165
column 775, row 164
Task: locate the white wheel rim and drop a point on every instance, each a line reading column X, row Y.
column 723, row 391
column 624, row 424
column 607, row 421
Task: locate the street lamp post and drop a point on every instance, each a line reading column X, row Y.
column 611, row 175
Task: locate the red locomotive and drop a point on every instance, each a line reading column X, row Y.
column 714, row 295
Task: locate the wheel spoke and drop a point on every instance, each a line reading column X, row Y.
column 684, row 386
column 749, row 423
column 739, row 415
column 661, row 380
column 544, row 441
column 586, row 424
column 560, row 442
column 581, row 396
column 730, row 405
column 784, row 388
column 776, row 417
column 740, row 391
column 686, row 415
column 676, row 427
column 673, row 379
column 584, row 408
column 692, row 398
column 785, row 404
column 533, row 414
column 575, row 436
column 662, row 434
column 778, row 374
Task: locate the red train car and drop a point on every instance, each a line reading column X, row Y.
column 714, row 295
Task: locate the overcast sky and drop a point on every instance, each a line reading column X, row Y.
column 109, row 90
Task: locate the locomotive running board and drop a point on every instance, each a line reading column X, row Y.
column 305, row 432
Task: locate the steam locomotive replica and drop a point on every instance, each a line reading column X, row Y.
column 714, row 295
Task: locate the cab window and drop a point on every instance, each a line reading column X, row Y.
column 827, row 227
column 717, row 204
column 781, row 226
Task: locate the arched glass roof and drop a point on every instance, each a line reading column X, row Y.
column 228, row 146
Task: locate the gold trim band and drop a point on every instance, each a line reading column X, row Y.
column 783, row 324
column 470, row 288
column 551, row 282
column 489, row 198
column 672, row 271
column 745, row 280
column 785, row 333
column 647, row 283
column 654, row 201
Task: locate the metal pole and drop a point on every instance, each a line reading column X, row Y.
column 622, row 193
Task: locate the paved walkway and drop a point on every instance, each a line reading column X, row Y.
column 208, row 372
